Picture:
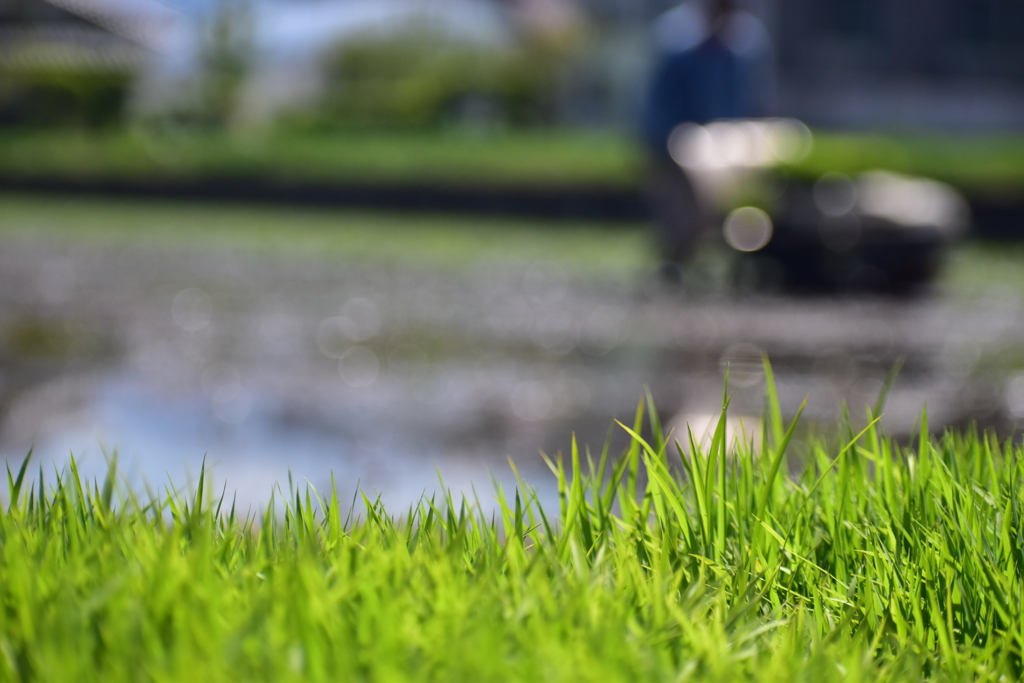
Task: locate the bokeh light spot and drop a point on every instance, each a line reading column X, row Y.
column 748, row 229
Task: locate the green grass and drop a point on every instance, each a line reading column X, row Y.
column 403, row 239
column 979, row 270
column 876, row 561
column 990, row 165
column 547, row 158
column 978, row 164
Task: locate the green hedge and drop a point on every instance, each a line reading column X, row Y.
column 63, row 98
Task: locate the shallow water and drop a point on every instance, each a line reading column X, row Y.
column 276, row 366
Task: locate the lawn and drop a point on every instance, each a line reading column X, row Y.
column 876, row 561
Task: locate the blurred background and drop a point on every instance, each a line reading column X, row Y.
column 394, row 238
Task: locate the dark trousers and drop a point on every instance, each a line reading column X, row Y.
column 679, row 219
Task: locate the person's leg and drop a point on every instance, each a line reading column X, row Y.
column 675, row 210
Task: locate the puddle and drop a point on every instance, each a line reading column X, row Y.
column 163, row 439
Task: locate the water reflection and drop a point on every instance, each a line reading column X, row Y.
column 382, row 375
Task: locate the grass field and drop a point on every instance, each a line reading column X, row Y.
column 404, row 239
column 878, row 561
column 985, row 165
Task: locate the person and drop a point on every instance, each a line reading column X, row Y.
column 713, row 62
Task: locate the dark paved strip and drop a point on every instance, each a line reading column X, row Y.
column 993, row 218
column 582, row 203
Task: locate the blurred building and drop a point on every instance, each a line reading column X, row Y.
column 552, row 18
column 74, row 60
column 948, row 63
column 953, row 63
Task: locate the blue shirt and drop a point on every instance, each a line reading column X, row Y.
column 699, row 85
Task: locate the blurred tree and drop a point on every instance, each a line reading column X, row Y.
column 226, row 55
column 417, row 78
column 57, row 96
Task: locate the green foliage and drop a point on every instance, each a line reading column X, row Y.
column 875, row 561
column 417, row 79
column 547, row 158
column 225, row 56
column 979, row 166
column 63, row 97
column 989, row 165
